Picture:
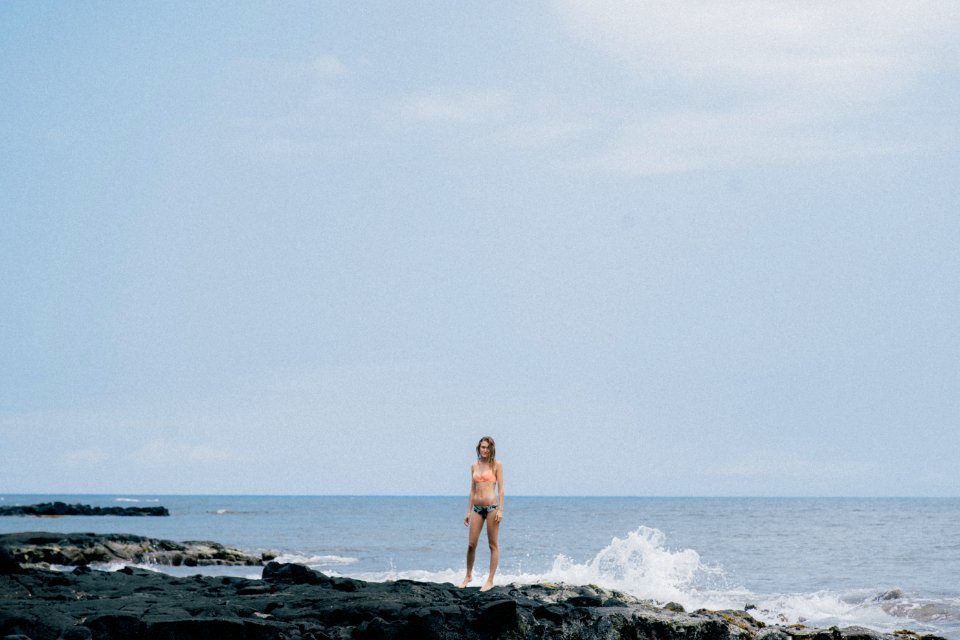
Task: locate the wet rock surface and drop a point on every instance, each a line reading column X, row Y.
column 41, row 548
column 54, row 509
column 292, row 601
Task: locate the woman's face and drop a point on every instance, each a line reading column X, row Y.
column 484, row 449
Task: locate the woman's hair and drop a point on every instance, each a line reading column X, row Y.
column 493, row 450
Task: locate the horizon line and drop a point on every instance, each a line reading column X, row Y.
column 407, row 495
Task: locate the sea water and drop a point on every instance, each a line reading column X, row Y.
column 884, row 563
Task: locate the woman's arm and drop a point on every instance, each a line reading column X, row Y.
column 500, row 487
column 466, row 518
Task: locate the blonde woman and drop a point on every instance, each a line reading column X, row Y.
column 483, row 507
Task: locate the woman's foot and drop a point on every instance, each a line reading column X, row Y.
column 486, row 586
column 466, row 581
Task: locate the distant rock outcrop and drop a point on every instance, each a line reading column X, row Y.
column 49, row 509
column 39, row 548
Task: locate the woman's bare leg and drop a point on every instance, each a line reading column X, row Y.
column 493, row 537
column 476, row 524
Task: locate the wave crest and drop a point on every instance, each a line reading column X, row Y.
column 642, row 565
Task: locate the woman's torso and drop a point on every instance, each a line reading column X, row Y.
column 484, row 485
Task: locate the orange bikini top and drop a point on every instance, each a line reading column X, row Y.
column 486, row 476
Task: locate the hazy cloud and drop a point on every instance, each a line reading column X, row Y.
column 271, row 70
column 285, row 109
column 862, row 48
column 463, row 107
column 765, row 465
column 328, row 66
column 775, row 82
column 162, row 453
column 544, row 121
column 87, row 457
column 691, row 140
column 286, row 146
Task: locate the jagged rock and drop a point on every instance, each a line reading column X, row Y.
column 499, row 614
column 292, row 574
column 63, row 509
column 41, row 548
column 8, row 564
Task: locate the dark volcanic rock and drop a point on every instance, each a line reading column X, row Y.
column 38, row 548
column 49, row 509
column 292, row 574
column 64, row 509
column 297, row 602
column 8, row 564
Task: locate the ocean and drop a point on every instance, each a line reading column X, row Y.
column 883, row 563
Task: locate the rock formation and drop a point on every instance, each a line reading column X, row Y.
column 53, row 509
column 39, row 548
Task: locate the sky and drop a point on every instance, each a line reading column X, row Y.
column 678, row 248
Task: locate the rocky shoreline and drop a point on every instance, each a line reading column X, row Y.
column 292, row 601
column 57, row 509
column 40, row 550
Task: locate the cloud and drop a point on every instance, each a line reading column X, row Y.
column 496, row 119
column 302, row 83
column 461, row 107
column 286, row 109
column 286, row 146
column 268, row 70
column 768, row 465
column 699, row 85
column 163, row 453
column 544, row 121
column 692, row 140
column 87, row 457
column 753, row 82
column 790, row 46
column 328, row 66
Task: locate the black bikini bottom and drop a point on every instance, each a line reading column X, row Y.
column 483, row 512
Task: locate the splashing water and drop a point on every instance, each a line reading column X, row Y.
column 639, row 564
column 320, row 563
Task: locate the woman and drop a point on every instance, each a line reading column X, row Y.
column 486, row 481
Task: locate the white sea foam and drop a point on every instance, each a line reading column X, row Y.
column 232, row 512
column 317, row 562
column 829, row 608
column 924, row 609
column 639, row 564
column 99, row 566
